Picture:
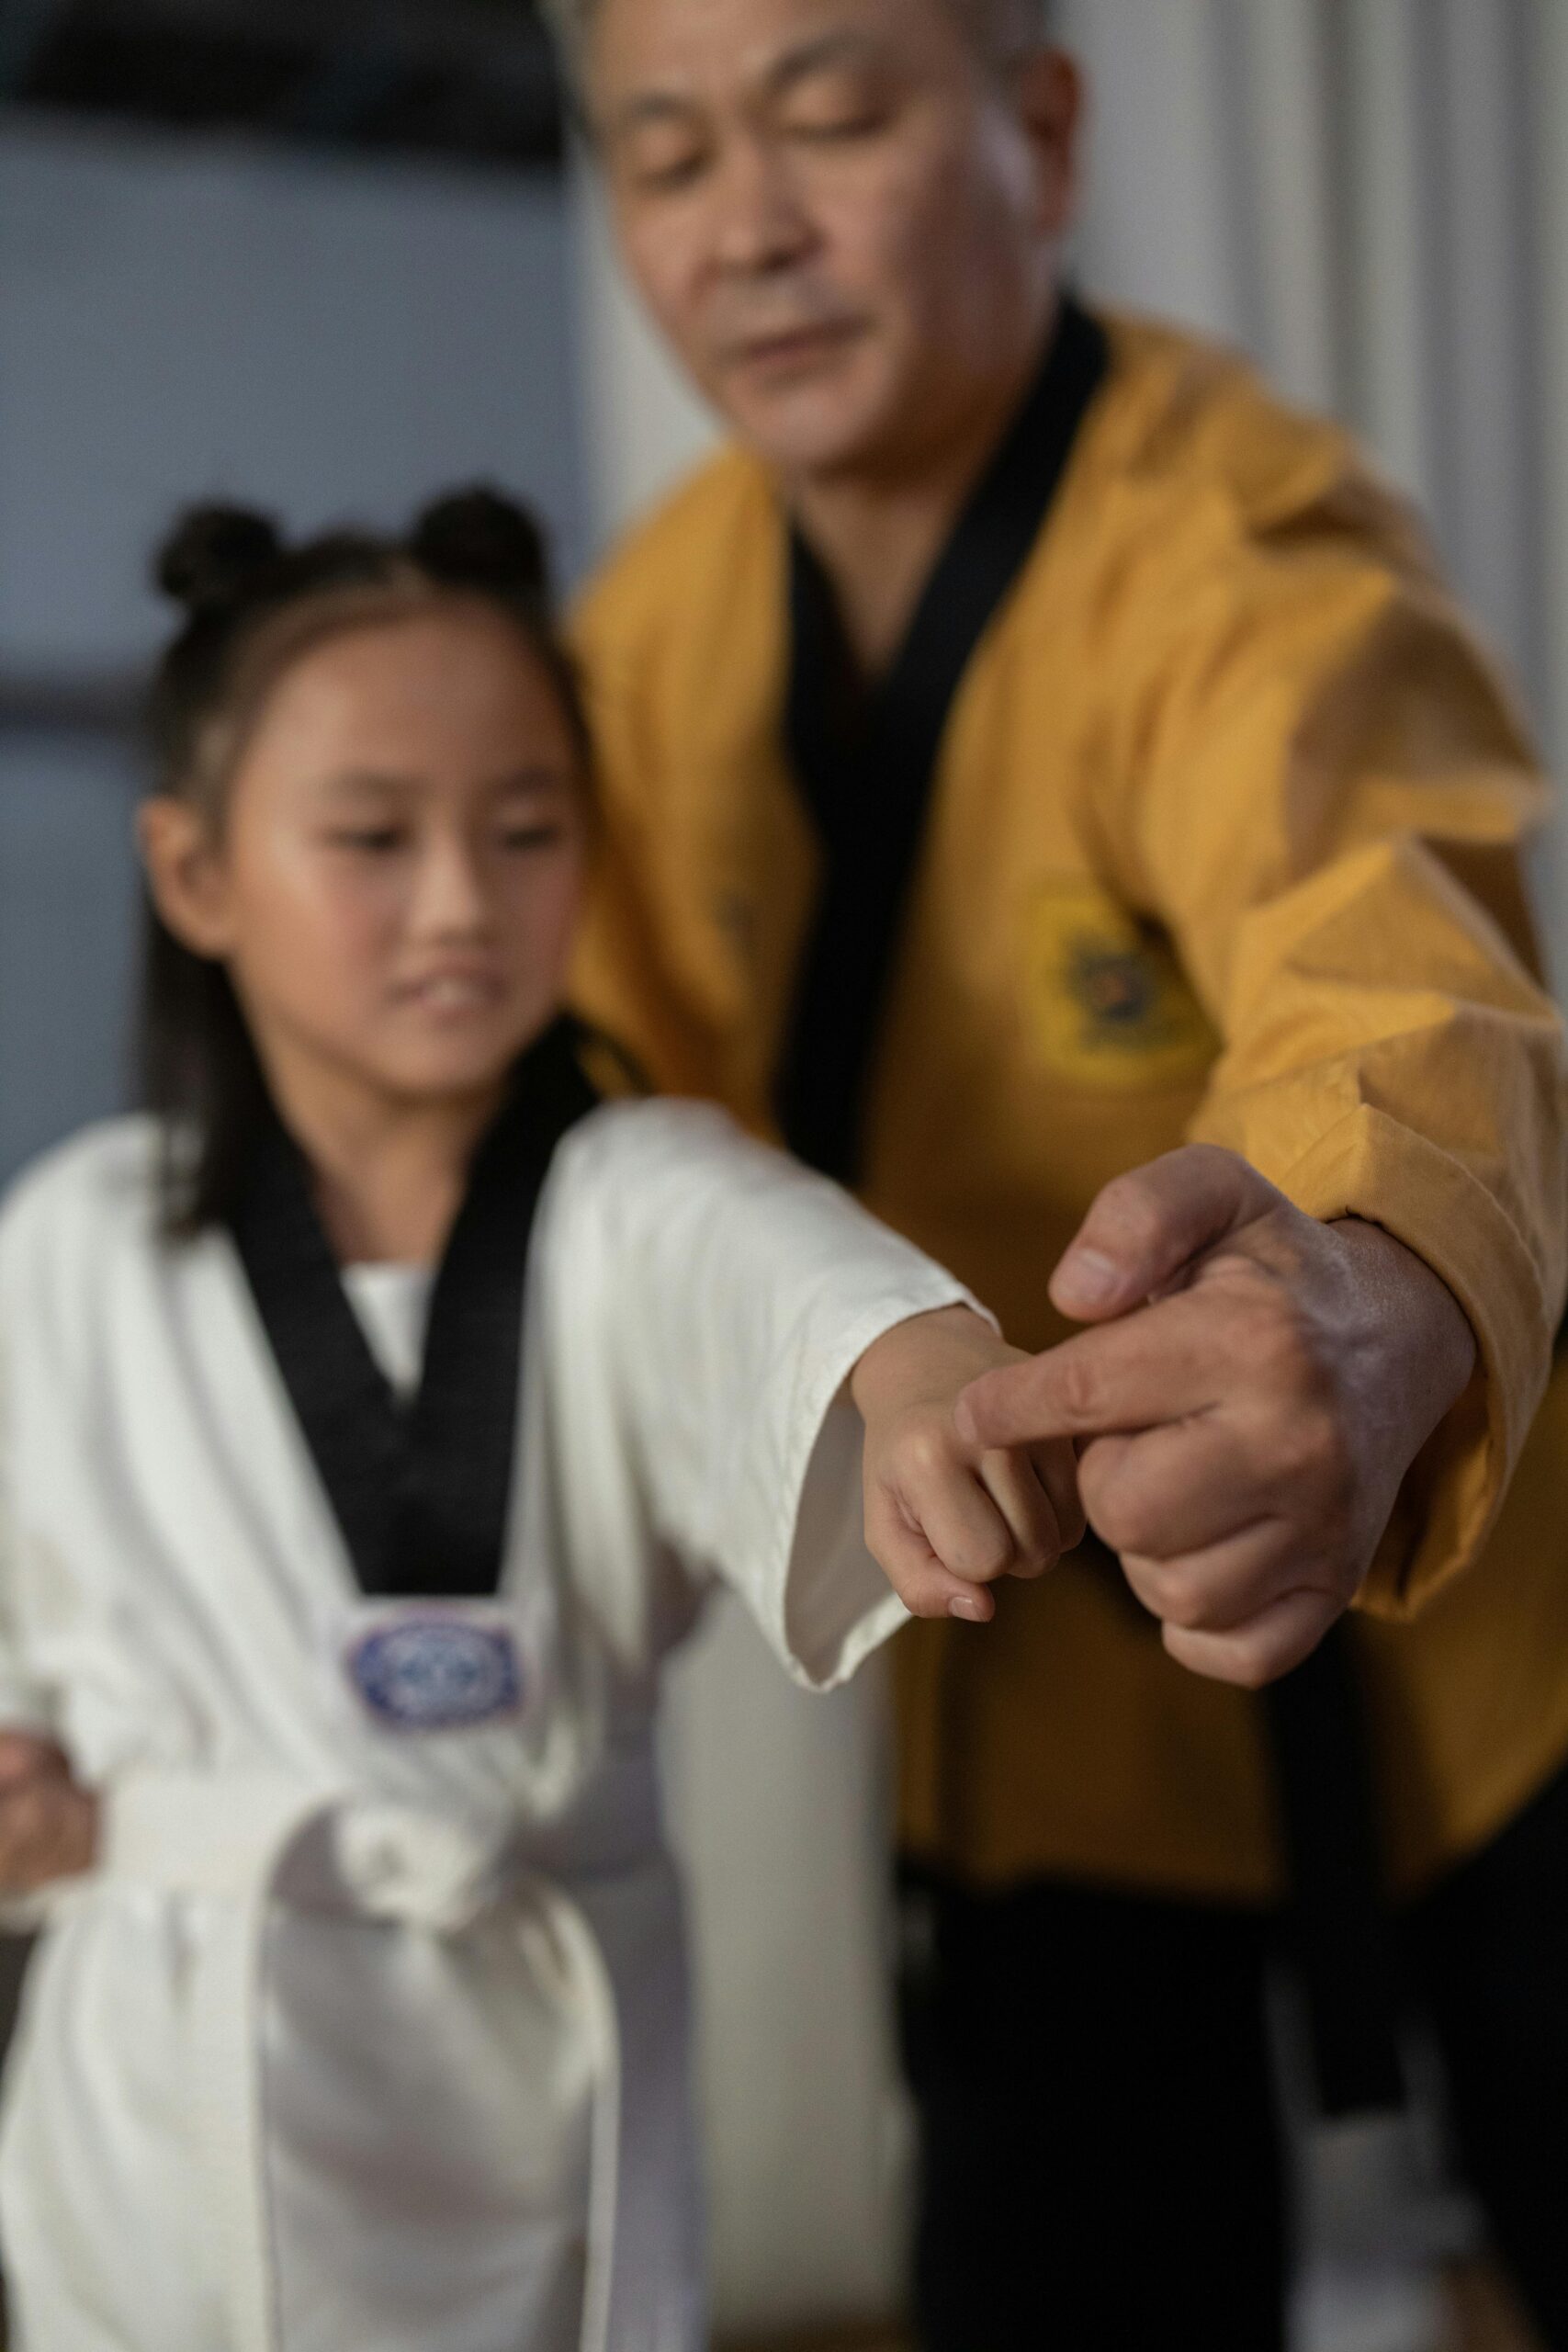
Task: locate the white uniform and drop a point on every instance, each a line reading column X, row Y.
column 364, row 2033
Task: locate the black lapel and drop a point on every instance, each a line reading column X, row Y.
column 421, row 1493
column 869, row 790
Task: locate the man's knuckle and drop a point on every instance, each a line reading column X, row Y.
column 1142, row 1580
column 1185, row 1599
column 1316, row 1470
column 1110, row 1515
column 1095, row 1483
column 1316, row 1385
column 1265, row 1344
column 1080, row 1388
column 1333, row 1475
column 1303, row 1462
column 1128, row 1524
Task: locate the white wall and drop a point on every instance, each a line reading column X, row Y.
column 67, row 928
column 184, row 317
column 181, row 318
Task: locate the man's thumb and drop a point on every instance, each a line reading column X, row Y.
column 1146, row 1228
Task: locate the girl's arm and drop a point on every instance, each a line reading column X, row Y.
column 789, row 1369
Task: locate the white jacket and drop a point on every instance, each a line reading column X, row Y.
column 362, row 2035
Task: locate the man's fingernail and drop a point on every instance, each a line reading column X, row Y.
column 966, row 1605
column 1085, row 1278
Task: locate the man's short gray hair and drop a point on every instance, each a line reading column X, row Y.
column 1004, row 26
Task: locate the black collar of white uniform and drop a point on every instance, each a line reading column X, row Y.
column 419, row 1491
column 868, row 785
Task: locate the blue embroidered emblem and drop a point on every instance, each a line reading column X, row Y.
column 436, row 1673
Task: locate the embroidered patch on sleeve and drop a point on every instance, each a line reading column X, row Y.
column 1109, row 1005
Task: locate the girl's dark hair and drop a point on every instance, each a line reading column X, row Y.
column 254, row 604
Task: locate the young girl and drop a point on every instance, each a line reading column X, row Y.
column 373, row 1410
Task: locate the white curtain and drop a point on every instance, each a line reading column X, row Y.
column 1372, row 196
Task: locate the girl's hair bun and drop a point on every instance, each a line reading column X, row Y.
column 213, row 554
column 477, row 537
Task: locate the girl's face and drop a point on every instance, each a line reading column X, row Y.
column 396, row 883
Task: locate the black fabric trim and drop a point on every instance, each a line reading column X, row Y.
column 868, row 789
column 1340, row 1931
column 1337, row 1927
column 421, row 1493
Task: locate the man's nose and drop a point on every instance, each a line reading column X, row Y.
column 761, row 222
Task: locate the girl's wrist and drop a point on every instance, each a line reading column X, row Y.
column 926, row 1359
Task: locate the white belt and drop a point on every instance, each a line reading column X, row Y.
column 259, row 1841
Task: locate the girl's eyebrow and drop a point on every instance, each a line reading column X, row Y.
column 543, row 776
column 367, row 780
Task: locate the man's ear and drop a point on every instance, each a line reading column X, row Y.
column 1052, row 100
column 184, row 874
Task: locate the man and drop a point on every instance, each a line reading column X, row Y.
column 1043, row 777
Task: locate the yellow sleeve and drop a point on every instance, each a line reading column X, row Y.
column 1325, row 795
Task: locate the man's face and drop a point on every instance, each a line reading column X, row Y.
column 843, row 219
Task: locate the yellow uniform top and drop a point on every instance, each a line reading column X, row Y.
column 1222, row 844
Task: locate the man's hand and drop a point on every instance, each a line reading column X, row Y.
column 1246, row 1414
column 945, row 1517
column 49, row 1826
